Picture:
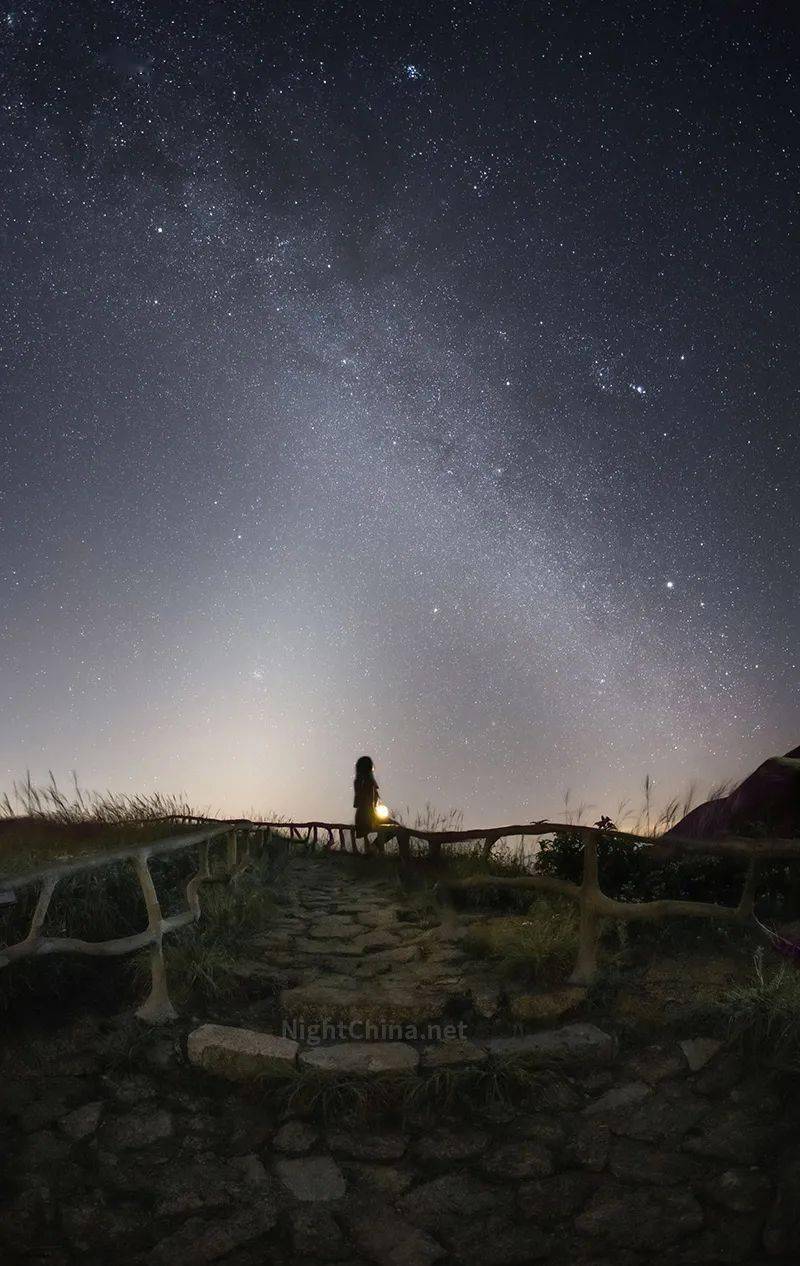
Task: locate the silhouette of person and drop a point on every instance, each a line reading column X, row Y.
column 365, row 797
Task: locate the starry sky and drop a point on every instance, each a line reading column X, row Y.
column 417, row 379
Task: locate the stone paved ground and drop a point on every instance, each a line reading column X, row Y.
column 114, row 1148
column 351, row 945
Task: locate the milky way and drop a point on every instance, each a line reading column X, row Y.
column 419, row 380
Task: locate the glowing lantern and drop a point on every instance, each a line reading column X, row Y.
column 381, row 812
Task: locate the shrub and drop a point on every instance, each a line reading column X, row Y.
column 631, row 872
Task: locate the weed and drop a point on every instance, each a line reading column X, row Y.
column 763, row 1016
column 544, row 942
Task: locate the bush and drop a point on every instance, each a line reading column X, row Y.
column 630, row 872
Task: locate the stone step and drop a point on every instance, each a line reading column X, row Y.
column 246, row 1054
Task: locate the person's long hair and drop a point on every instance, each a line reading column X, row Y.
column 364, row 768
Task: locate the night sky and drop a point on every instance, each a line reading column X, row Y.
column 412, row 379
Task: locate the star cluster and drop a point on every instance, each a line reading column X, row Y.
column 412, row 381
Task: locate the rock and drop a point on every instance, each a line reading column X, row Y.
column 740, row 1190
column 162, row 1054
column 363, row 1058
column 588, row 1145
column 311, row 1178
column 367, row 1147
column 391, row 1181
column 549, row 1200
column 90, row 1224
column 199, row 1241
column 486, row 1000
column 547, row 1130
column 387, row 1239
column 525, row 1159
column 721, row 1076
column 402, row 954
column 741, row 1135
column 241, row 1054
column 328, row 950
column 530, row 1007
column 15, row 1096
column 450, row 1147
column 699, row 1051
column 379, row 939
column 315, row 1234
column 633, row 1162
column 133, row 1088
column 725, row 1238
column 295, row 1138
column 45, row 1110
column 450, row 1200
column 334, row 928
column 768, row 799
column 573, row 1042
column 137, row 1129
column 497, row 1241
column 662, row 1117
column 23, row 1220
column 644, row 1219
column 595, row 1081
column 368, row 969
column 82, row 1122
column 782, row 1227
column 618, row 1099
column 43, row 1150
column 453, row 1053
column 249, row 1134
column 377, row 916
column 656, row 1063
column 207, row 1184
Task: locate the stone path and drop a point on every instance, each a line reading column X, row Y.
column 351, row 948
column 113, row 1147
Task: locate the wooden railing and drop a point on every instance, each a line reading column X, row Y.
column 238, row 838
column 593, row 903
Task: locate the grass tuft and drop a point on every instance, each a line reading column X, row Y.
column 763, row 1016
column 497, row 1084
column 543, row 942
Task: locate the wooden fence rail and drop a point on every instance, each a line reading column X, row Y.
column 594, row 905
column 157, row 1008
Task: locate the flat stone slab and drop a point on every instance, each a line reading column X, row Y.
column 83, row 1121
column 241, row 1054
column 333, row 929
column 329, row 948
column 311, row 1178
column 547, row 1006
column 582, row 1043
column 618, row 1099
column 363, row 1058
column 699, row 1051
column 452, row 1054
column 386, row 1238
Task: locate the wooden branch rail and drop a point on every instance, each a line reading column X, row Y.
column 157, row 1008
column 593, row 902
